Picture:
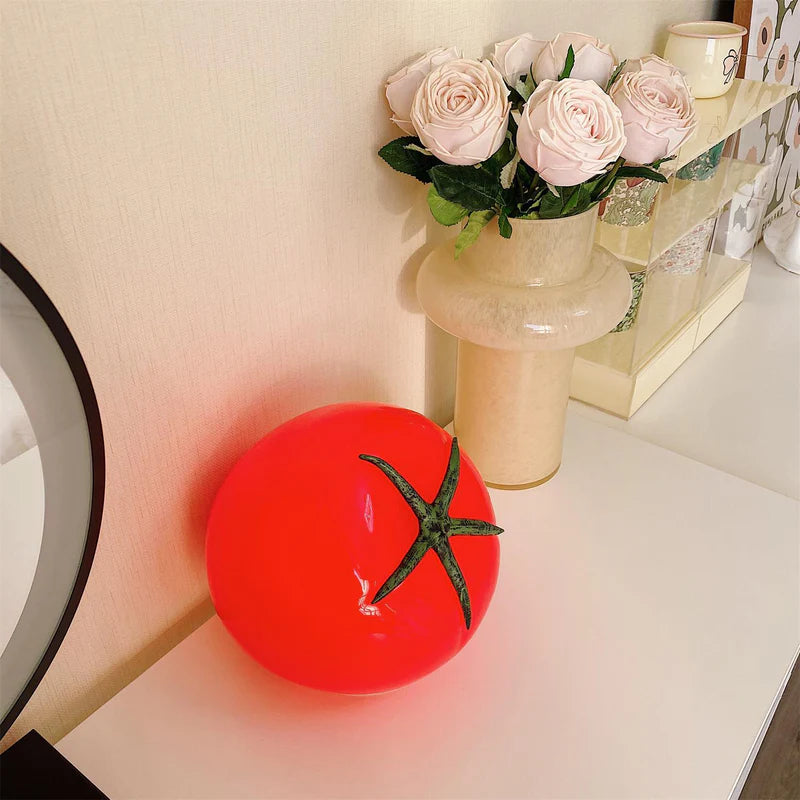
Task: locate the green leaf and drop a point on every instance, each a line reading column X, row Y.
column 477, row 222
column 472, row 527
column 551, row 206
column 509, row 172
column 606, row 182
column 576, row 201
column 527, row 176
column 564, row 201
column 516, row 99
column 444, row 550
column 504, row 224
column 565, row 192
column 658, row 162
column 496, row 163
column 474, row 189
column 444, row 211
column 403, row 570
column 524, row 88
column 408, row 161
column 512, row 124
column 528, row 190
column 641, row 172
column 615, row 74
column 409, row 493
column 569, row 63
column 444, row 497
column 435, row 528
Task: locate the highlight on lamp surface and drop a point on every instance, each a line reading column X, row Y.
column 353, row 549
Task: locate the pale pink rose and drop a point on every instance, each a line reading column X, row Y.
column 652, row 63
column 402, row 86
column 658, row 113
column 460, row 111
column 570, row 131
column 514, row 57
column 594, row 61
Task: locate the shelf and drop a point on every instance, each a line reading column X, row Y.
column 618, row 372
column 606, row 374
column 713, row 409
column 680, row 206
column 719, row 117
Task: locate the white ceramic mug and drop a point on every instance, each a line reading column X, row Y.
column 708, row 52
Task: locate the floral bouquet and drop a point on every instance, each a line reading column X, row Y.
column 541, row 130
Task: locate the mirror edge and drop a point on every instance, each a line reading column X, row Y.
column 28, row 285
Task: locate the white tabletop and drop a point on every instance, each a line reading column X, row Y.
column 645, row 616
column 735, row 404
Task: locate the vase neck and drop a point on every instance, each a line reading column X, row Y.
column 546, row 252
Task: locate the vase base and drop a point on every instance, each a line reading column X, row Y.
column 519, row 486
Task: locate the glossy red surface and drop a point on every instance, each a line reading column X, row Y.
column 303, row 533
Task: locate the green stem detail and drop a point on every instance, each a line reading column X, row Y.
column 436, row 526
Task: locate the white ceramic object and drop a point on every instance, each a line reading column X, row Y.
column 708, row 52
column 782, row 237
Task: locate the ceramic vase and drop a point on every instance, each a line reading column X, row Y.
column 704, row 166
column 687, row 255
column 630, row 202
column 708, row 53
column 519, row 308
column 782, row 237
column 638, row 280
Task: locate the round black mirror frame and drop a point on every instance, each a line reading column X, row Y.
column 26, row 283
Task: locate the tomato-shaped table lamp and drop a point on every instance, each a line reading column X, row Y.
column 353, row 549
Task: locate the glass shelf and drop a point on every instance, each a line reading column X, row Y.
column 666, row 335
column 690, row 263
column 670, row 301
column 681, row 205
column 719, row 117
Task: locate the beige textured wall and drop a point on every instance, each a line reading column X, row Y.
column 195, row 184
